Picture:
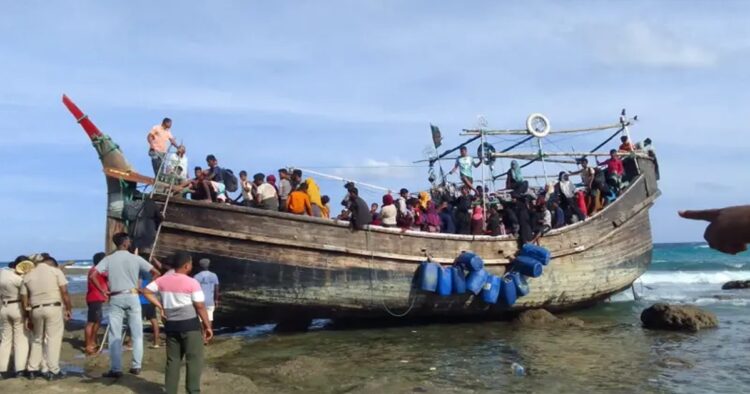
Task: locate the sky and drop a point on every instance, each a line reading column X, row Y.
column 350, row 89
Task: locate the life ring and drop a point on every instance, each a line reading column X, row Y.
column 487, row 158
column 537, row 125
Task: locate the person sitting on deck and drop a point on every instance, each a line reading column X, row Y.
column 558, row 215
column 200, row 187
column 495, row 222
column 248, row 189
column 271, row 179
column 615, row 169
column 403, row 195
column 358, row 207
column 477, row 221
column 344, row 216
column 214, row 172
column 265, row 196
column 514, row 179
column 285, row 188
column 296, row 179
column 626, row 145
column 299, row 202
column 447, row 224
column 388, row 212
column 464, row 164
column 177, row 165
column 566, row 195
column 159, row 139
column 375, row 215
column 313, row 191
column 431, row 222
column 325, row 209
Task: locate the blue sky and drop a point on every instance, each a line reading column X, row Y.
column 356, row 84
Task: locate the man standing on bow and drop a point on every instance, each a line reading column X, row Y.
column 122, row 269
column 43, row 294
column 159, row 139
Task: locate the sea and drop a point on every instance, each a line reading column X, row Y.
column 610, row 353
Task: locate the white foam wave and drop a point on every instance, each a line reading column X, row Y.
column 681, row 277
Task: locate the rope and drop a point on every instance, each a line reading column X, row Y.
column 99, row 142
column 372, row 291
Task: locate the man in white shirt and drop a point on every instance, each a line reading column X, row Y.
column 265, row 196
column 177, row 165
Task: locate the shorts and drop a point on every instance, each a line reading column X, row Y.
column 210, row 313
column 95, row 312
column 148, row 311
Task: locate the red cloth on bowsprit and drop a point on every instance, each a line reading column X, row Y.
column 92, row 293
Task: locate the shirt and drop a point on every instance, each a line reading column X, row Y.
column 626, row 147
column 208, row 281
column 177, row 166
column 159, row 138
column 587, row 176
column 401, row 205
column 123, row 268
column 388, row 215
column 92, row 293
column 146, row 278
column 178, row 293
column 465, row 163
column 285, row 188
column 10, row 285
column 266, row 191
column 299, row 203
column 215, row 174
column 42, row 285
column 614, row 166
column 248, row 190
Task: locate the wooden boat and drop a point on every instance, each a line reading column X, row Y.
column 278, row 267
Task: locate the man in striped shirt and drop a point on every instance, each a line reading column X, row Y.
column 182, row 303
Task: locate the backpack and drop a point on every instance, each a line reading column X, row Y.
column 230, row 180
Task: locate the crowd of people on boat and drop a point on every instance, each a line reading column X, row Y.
column 517, row 210
column 35, row 304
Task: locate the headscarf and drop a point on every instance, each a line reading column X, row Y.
column 432, row 218
column 313, row 192
column 566, row 187
column 271, row 179
column 387, row 200
column 424, row 198
column 478, row 213
column 516, row 171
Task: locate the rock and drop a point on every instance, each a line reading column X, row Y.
column 677, row 317
column 542, row 317
column 736, row 284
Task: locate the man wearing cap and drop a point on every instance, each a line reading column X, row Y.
column 122, row 269
column 14, row 335
column 210, row 285
column 44, row 291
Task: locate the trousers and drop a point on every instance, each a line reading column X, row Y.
column 49, row 325
column 120, row 306
column 187, row 345
column 13, row 338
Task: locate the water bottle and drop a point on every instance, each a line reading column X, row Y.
column 517, row 369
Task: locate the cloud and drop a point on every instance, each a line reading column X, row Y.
column 641, row 44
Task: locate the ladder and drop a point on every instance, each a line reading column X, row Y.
column 162, row 181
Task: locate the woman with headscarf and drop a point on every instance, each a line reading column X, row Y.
column 424, row 199
column 325, row 209
column 514, row 179
column 462, row 213
column 477, row 221
column 388, row 212
column 431, row 219
column 313, row 191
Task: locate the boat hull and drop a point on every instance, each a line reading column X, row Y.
column 276, row 267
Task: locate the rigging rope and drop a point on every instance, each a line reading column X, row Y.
column 372, row 291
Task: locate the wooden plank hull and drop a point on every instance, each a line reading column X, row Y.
column 275, row 266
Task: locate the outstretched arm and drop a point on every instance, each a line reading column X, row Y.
column 728, row 230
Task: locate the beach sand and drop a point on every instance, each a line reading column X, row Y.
column 84, row 372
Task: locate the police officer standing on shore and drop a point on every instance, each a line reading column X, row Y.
column 14, row 335
column 44, row 292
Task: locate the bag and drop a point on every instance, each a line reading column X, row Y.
column 230, row 180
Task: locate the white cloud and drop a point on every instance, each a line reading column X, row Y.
column 641, row 44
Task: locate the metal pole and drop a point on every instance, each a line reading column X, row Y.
column 484, row 184
column 544, row 167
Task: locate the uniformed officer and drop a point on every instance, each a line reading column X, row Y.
column 44, row 292
column 14, row 336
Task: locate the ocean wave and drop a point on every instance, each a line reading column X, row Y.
column 681, row 277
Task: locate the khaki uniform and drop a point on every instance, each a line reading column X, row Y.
column 42, row 285
column 14, row 337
